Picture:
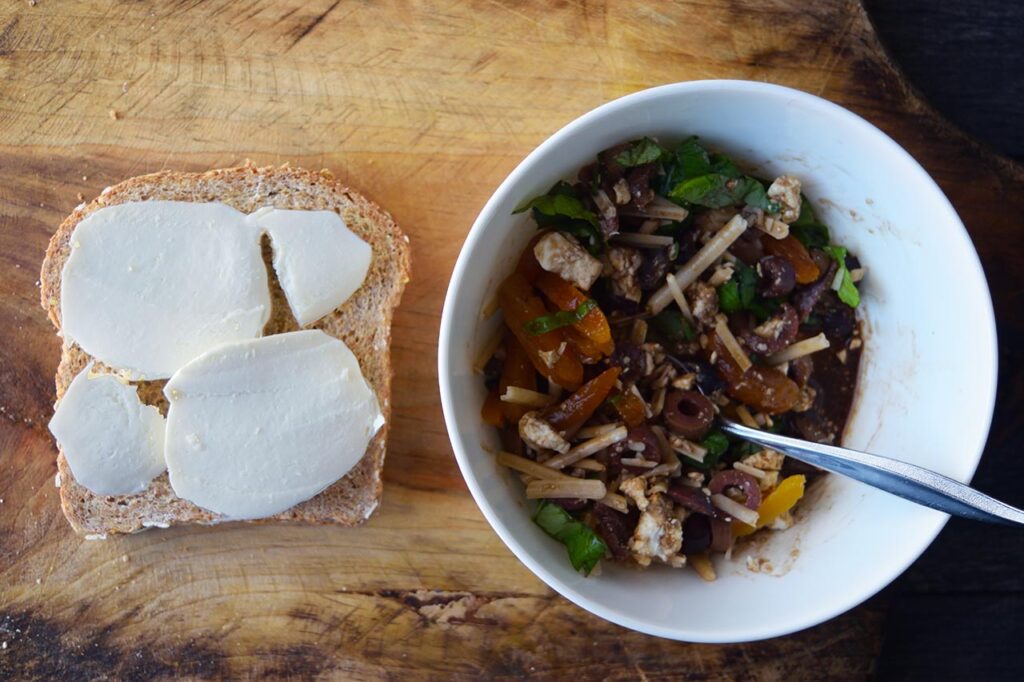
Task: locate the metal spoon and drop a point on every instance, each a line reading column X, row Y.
column 904, row 480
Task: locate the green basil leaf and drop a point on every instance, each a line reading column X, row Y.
column 705, row 190
column 723, row 165
column 848, row 293
column 811, row 236
column 640, row 152
column 717, row 190
column 671, row 325
column 742, row 449
column 716, row 444
column 583, row 544
column 808, row 229
column 729, row 297
column 562, row 318
column 807, row 215
column 740, row 292
column 757, row 196
column 763, row 308
column 560, row 201
column 691, row 159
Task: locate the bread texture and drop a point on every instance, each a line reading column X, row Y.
column 363, row 322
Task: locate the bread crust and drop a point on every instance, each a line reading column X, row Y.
column 363, row 322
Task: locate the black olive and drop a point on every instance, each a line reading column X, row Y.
column 615, row 528
column 748, row 247
column 631, row 359
column 777, row 277
column 839, row 323
column 652, row 270
column 696, row 534
column 612, row 456
column 688, row 413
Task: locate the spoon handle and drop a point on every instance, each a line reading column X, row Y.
column 899, row 478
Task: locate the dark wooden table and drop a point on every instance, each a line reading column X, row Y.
column 958, row 613
column 427, row 106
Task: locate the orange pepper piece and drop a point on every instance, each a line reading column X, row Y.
column 567, row 297
column 569, row 415
column 792, row 250
column 587, row 350
column 491, row 412
column 778, row 502
column 521, row 305
column 517, row 371
column 763, row 388
column 630, row 408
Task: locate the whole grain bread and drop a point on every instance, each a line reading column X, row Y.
column 363, row 322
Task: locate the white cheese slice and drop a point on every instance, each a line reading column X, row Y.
column 113, row 443
column 150, row 285
column 318, row 260
column 255, row 427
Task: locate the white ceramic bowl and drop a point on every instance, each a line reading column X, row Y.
column 927, row 383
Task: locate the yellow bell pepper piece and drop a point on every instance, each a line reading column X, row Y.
column 780, row 501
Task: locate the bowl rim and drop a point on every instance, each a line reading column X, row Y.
column 476, row 234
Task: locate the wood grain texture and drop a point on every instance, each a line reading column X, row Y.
column 425, row 107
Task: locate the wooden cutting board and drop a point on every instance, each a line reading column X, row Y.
column 425, row 107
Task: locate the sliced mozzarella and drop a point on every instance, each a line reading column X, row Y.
column 318, row 260
column 150, row 285
column 113, row 443
column 255, row 427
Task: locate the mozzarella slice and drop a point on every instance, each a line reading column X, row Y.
column 255, row 427
column 318, row 260
column 113, row 443
column 150, row 285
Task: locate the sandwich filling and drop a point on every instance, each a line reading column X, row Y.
column 179, row 290
column 150, row 285
column 255, row 427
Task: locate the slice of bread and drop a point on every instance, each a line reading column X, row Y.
column 363, row 322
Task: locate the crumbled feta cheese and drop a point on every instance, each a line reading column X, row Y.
column 539, row 434
column 765, row 460
column 623, row 264
column 658, row 534
column 562, row 254
column 621, row 189
column 786, row 191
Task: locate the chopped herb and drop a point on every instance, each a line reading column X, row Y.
column 560, row 201
column 740, row 291
column 757, row 196
column 563, row 318
column 808, row 229
column 717, row 190
column 848, row 293
column 692, row 159
column 763, row 308
column 561, row 209
column 640, row 152
column 584, row 546
column 671, row 325
column 716, row 444
column 742, row 449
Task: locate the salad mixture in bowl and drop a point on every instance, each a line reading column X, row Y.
column 664, row 287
